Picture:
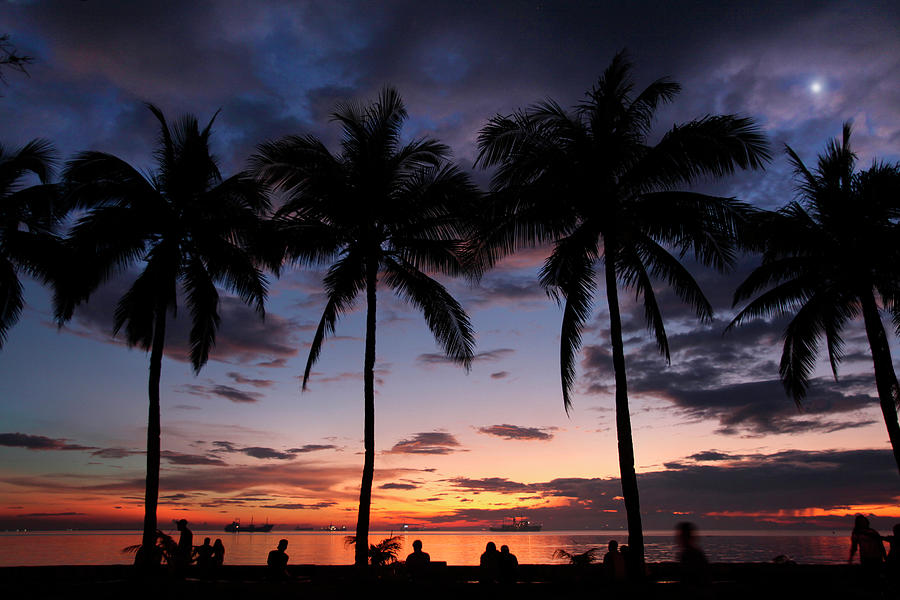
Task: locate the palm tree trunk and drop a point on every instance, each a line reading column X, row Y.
column 148, row 556
column 623, row 419
column 885, row 378
column 365, row 489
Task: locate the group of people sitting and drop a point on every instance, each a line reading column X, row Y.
column 206, row 556
column 497, row 567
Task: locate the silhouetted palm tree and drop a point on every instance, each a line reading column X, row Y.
column 830, row 257
column 28, row 220
column 183, row 225
column 589, row 182
column 384, row 212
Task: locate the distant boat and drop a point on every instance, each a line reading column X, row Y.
column 236, row 527
column 335, row 528
column 518, row 524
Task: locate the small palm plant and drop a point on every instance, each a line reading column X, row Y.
column 580, row 560
column 383, row 553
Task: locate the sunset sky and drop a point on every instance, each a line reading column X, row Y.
column 717, row 441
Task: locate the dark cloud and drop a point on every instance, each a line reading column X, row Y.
column 300, row 506
column 429, row 442
column 260, row 383
column 756, row 491
column 713, row 455
column 500, row 375
column 178, row 458
column 397, row 486
column 312, row 448
column 58, row 514
column 715, row 376
column 258, row 452
column 243, row 337
column 514, row 432
column 263, row 452
column 39, row 442
column 487, row 356
column 116, row 452
column 222, row 391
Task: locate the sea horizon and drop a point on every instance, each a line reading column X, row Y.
column 459, row 547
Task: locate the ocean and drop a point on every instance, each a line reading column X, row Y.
column 454, row 547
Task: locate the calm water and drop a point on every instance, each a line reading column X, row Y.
column 457, row 548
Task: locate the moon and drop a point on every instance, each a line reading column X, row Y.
column 816, row 87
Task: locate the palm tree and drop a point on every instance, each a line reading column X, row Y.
column 28, row 219
column 384, row 212
column 589, row 182
column 185, row 227
column 828, row 258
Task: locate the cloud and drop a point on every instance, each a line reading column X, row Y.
column 716, row 377
column 222, row 391
column 500, row 375
column 433, row 358
column 39, row 442
column 300, row 506
column 430, row 442
column 312, row 448
column 116, row 452
column 179, row 458
column 514, row 432
column 260, row 383
column 243, row 337
column 397, row 486
column 57, row 514
column 258, row 452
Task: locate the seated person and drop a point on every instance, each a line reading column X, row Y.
column 417, row 558
column 277, row 562
column 418, row 561
column 204, row 554
column 507, row 564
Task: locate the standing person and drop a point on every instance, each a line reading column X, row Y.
column 871, row 548
column 218, row 555
column 277, row 562
column 695, row 576
column 185, row 545
column 489, row 564
column 507, row 565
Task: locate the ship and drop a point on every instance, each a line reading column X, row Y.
column 236, row 527
column 518, row 524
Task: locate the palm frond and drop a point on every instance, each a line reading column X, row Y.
column 444, row 316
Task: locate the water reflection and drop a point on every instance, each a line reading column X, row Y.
column 457, row 548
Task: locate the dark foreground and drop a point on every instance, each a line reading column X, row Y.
column 730, row 581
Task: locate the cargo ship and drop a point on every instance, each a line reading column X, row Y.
column 518, row 524
column 236, row 527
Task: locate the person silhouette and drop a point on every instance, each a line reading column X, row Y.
column 218, row 553
column 507, row 564
column 185, row 548
column 417, row 558
column 893, row 558
column 871, row 548
column 695, row 575
column 489, row 564
column 204, row 555
column 418, row 561
column 614, row 563
column 277, row 562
